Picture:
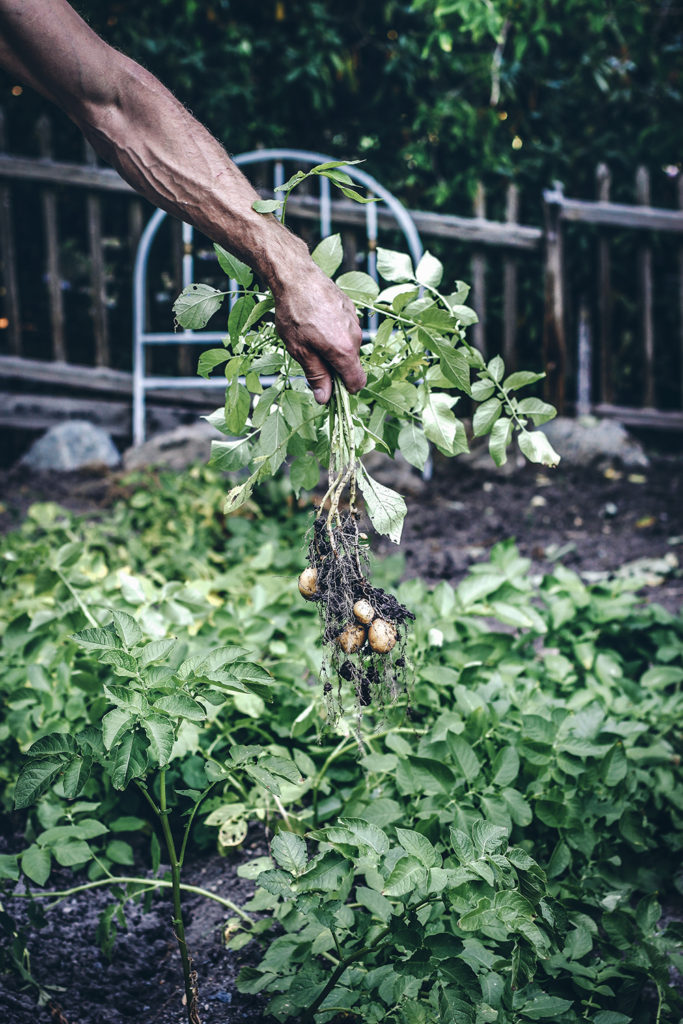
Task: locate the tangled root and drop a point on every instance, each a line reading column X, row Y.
column 340, row 561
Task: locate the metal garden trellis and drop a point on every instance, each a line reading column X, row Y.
column 142, row 382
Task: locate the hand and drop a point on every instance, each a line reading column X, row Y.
column 320, row 329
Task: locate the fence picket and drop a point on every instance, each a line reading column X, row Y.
column 9, row 259
column 479, row 265
column 554, row 337
column 98, row 283
column 645, row 285
column 604, row 181
column 54, row 283
column 510, row 285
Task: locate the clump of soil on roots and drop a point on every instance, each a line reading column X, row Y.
column 338, row 555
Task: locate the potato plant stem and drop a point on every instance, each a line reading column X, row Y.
column 191, row 993
column 150, row 883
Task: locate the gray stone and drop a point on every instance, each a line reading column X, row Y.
column 176, row 449
column 71, row 445
column 586, row 440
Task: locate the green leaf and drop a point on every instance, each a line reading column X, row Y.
column 505, row 767
column 180, row 705
column 114, row 724
column 386, row 508
column 120, row 852
column 34, row 778
column 263, row 777
column 394, row 266
column 258, row 311
column 358, row 286
column 130, row 760
column 429, row 271
column 72, row 853
column 329, row 254
column 233, row 267
column 157, row 650
column 413, row 445
column 304, row 473
column 127, row 629
column 440, row 425
column 521, row 379
column 482, row 389
column 210, row 359
column 540, row 412
column 407, row 875
column 537, row 448
column 272, row 444
column 464, row 315
column 267, row 205
column 485, row 416
column 161, row 736
column 230, row 456
column 419, row 846
column 499, row 439
column 237, row 406
column 367, row 834
column 463, row 756
column 545, row 1007
column 496, row 369
column 9, row 867
column 76, row 776
column 289, row 851
column 35, row 863
column 239, row 316
column 454, row 366
column 54, row 743
column 98, row 639
column 488, row 838
column 196, row 304
column 373, row 901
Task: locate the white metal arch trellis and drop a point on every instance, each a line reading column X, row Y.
column 142, row 382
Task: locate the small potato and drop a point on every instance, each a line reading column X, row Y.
column 308, row 583
column 352, row 639
column 363, row 611
column 382, row 636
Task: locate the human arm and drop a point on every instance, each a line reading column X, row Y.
column 135, row 124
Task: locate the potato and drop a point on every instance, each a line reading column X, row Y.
column 363, row 611
column 308, row 583
column 352, row 638
column 382, row 636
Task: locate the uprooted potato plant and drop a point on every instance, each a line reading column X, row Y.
column 418, row 363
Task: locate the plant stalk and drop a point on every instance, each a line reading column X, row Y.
column 189, row 977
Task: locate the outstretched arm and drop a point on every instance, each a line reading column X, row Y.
column 155, row 144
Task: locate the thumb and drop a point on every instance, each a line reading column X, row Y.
column 318, row 377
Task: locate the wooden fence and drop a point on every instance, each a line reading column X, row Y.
column 577, row 349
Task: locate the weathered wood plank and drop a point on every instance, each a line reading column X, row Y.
column 618, row 215
column 680, row 288
column 603, row 181
column 54, row 284
column 57, row 173
column 40, row 412
column 9, row 259
column 554, row 336
column 101, row 380
column 655, row 419
column 479, row 269
column 98, row 283
column 510, row 286
column 646, row 292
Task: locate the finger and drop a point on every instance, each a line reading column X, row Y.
column 346, row 363
column 318, row 376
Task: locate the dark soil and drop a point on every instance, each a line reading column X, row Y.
column 591, row 520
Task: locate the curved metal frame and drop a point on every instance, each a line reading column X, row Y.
column 141, row 338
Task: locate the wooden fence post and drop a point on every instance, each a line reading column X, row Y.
column 479, row 263
column 9, row 258
column 603, row 181
column 510, row 286
column 98, row 283
column 680, row 287
column 54, row 283
column 645, row 285
column 554, row 337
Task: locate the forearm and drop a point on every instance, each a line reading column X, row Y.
column 139, row 127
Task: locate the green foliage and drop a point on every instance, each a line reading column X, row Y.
column 531, row 774
column 417, row 358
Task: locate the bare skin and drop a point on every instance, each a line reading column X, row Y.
column 155, row 144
